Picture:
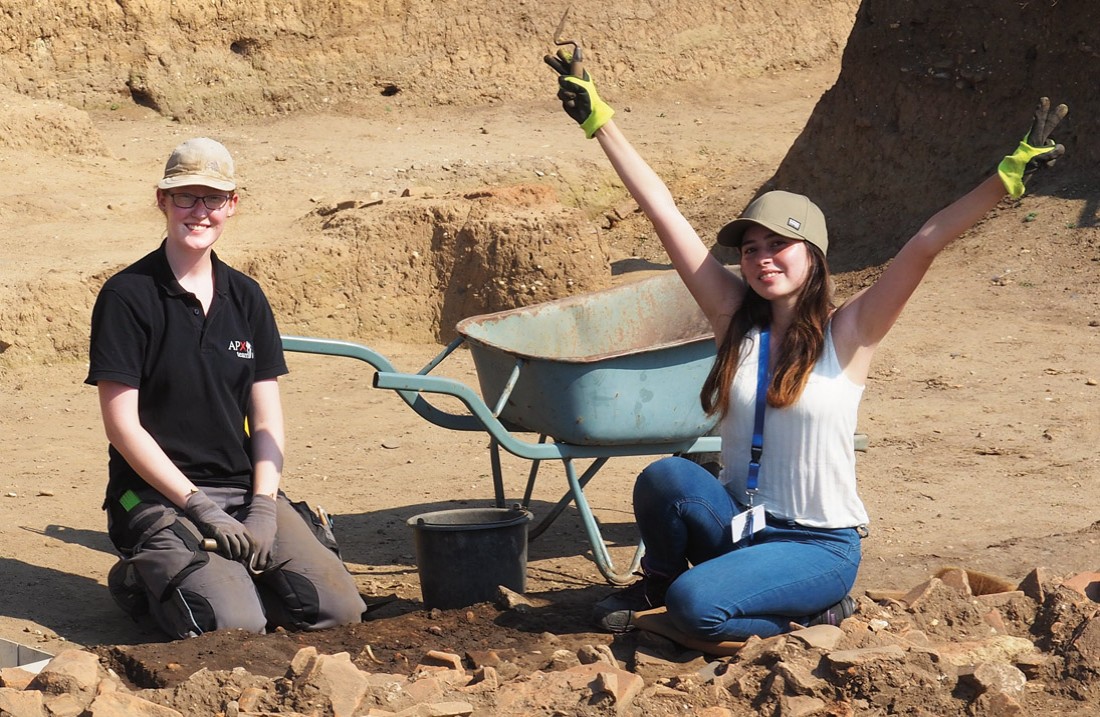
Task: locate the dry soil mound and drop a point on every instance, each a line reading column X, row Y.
column 411, row 268
column 48, row 126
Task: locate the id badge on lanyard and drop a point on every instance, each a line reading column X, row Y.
column 751, row 521
column 746, row 524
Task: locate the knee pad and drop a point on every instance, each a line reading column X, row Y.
column 185, row 613
column 127, row 589
column 193, row 613
column 292, row 600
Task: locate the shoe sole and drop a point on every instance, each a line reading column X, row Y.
column 616, row 626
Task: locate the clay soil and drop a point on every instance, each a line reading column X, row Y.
column 981, row 409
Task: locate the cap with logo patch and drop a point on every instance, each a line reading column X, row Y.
column 785, row 213
column 200, row 161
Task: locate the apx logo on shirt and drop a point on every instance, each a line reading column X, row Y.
column 243, row 349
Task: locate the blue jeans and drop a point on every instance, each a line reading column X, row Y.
column 786, row 574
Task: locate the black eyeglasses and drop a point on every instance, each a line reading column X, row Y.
column 211, row 201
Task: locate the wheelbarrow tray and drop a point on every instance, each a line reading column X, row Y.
column 619, row 366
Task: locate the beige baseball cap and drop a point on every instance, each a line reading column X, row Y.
column 787, row 214
column 200, row 161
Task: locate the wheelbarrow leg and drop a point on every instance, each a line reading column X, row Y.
column 498, row 475
column 565, row 500
column 600, row 554
column 531, row 476
column 595, row 539
column 498, row 485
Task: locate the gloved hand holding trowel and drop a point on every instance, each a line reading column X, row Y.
column 250, row 540
column 1036, row 151
column 576, row 90
column 224, row 533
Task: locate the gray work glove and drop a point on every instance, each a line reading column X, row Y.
column 231, row 536
column 259, row 518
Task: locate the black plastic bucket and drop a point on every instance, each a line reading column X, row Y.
column 462, row 555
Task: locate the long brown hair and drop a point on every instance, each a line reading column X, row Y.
column 802, row 344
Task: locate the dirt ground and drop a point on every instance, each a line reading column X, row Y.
column 981, row 411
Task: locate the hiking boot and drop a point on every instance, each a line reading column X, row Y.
column 835, row 614
column 615, row 613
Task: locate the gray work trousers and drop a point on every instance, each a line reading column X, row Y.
column 189, row 591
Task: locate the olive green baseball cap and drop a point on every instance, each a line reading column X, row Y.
column 785, row 213
column 200, row 161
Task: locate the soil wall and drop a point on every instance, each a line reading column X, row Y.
column 930, row 96
column 219, row 59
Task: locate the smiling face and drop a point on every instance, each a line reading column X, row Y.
column 195, row 229
column 775, row 266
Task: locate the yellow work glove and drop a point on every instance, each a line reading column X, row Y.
column 578, row 95
column 1037, row 150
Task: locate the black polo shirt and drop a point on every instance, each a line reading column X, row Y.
column 194, row 373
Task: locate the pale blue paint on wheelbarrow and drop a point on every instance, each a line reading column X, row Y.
column 620, row 366
column 603, row 375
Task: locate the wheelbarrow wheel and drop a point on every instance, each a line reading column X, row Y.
column 711, row 461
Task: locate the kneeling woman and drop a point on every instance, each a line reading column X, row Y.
column 186, row 357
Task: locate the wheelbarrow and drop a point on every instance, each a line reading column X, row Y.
column 607, row 374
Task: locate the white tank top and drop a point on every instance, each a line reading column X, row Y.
column 808, row 469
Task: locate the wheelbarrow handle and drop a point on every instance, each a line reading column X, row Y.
column 348, row 349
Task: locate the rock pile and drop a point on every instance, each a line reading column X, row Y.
column 948, row 646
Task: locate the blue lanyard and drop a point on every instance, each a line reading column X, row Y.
column 757, row 449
